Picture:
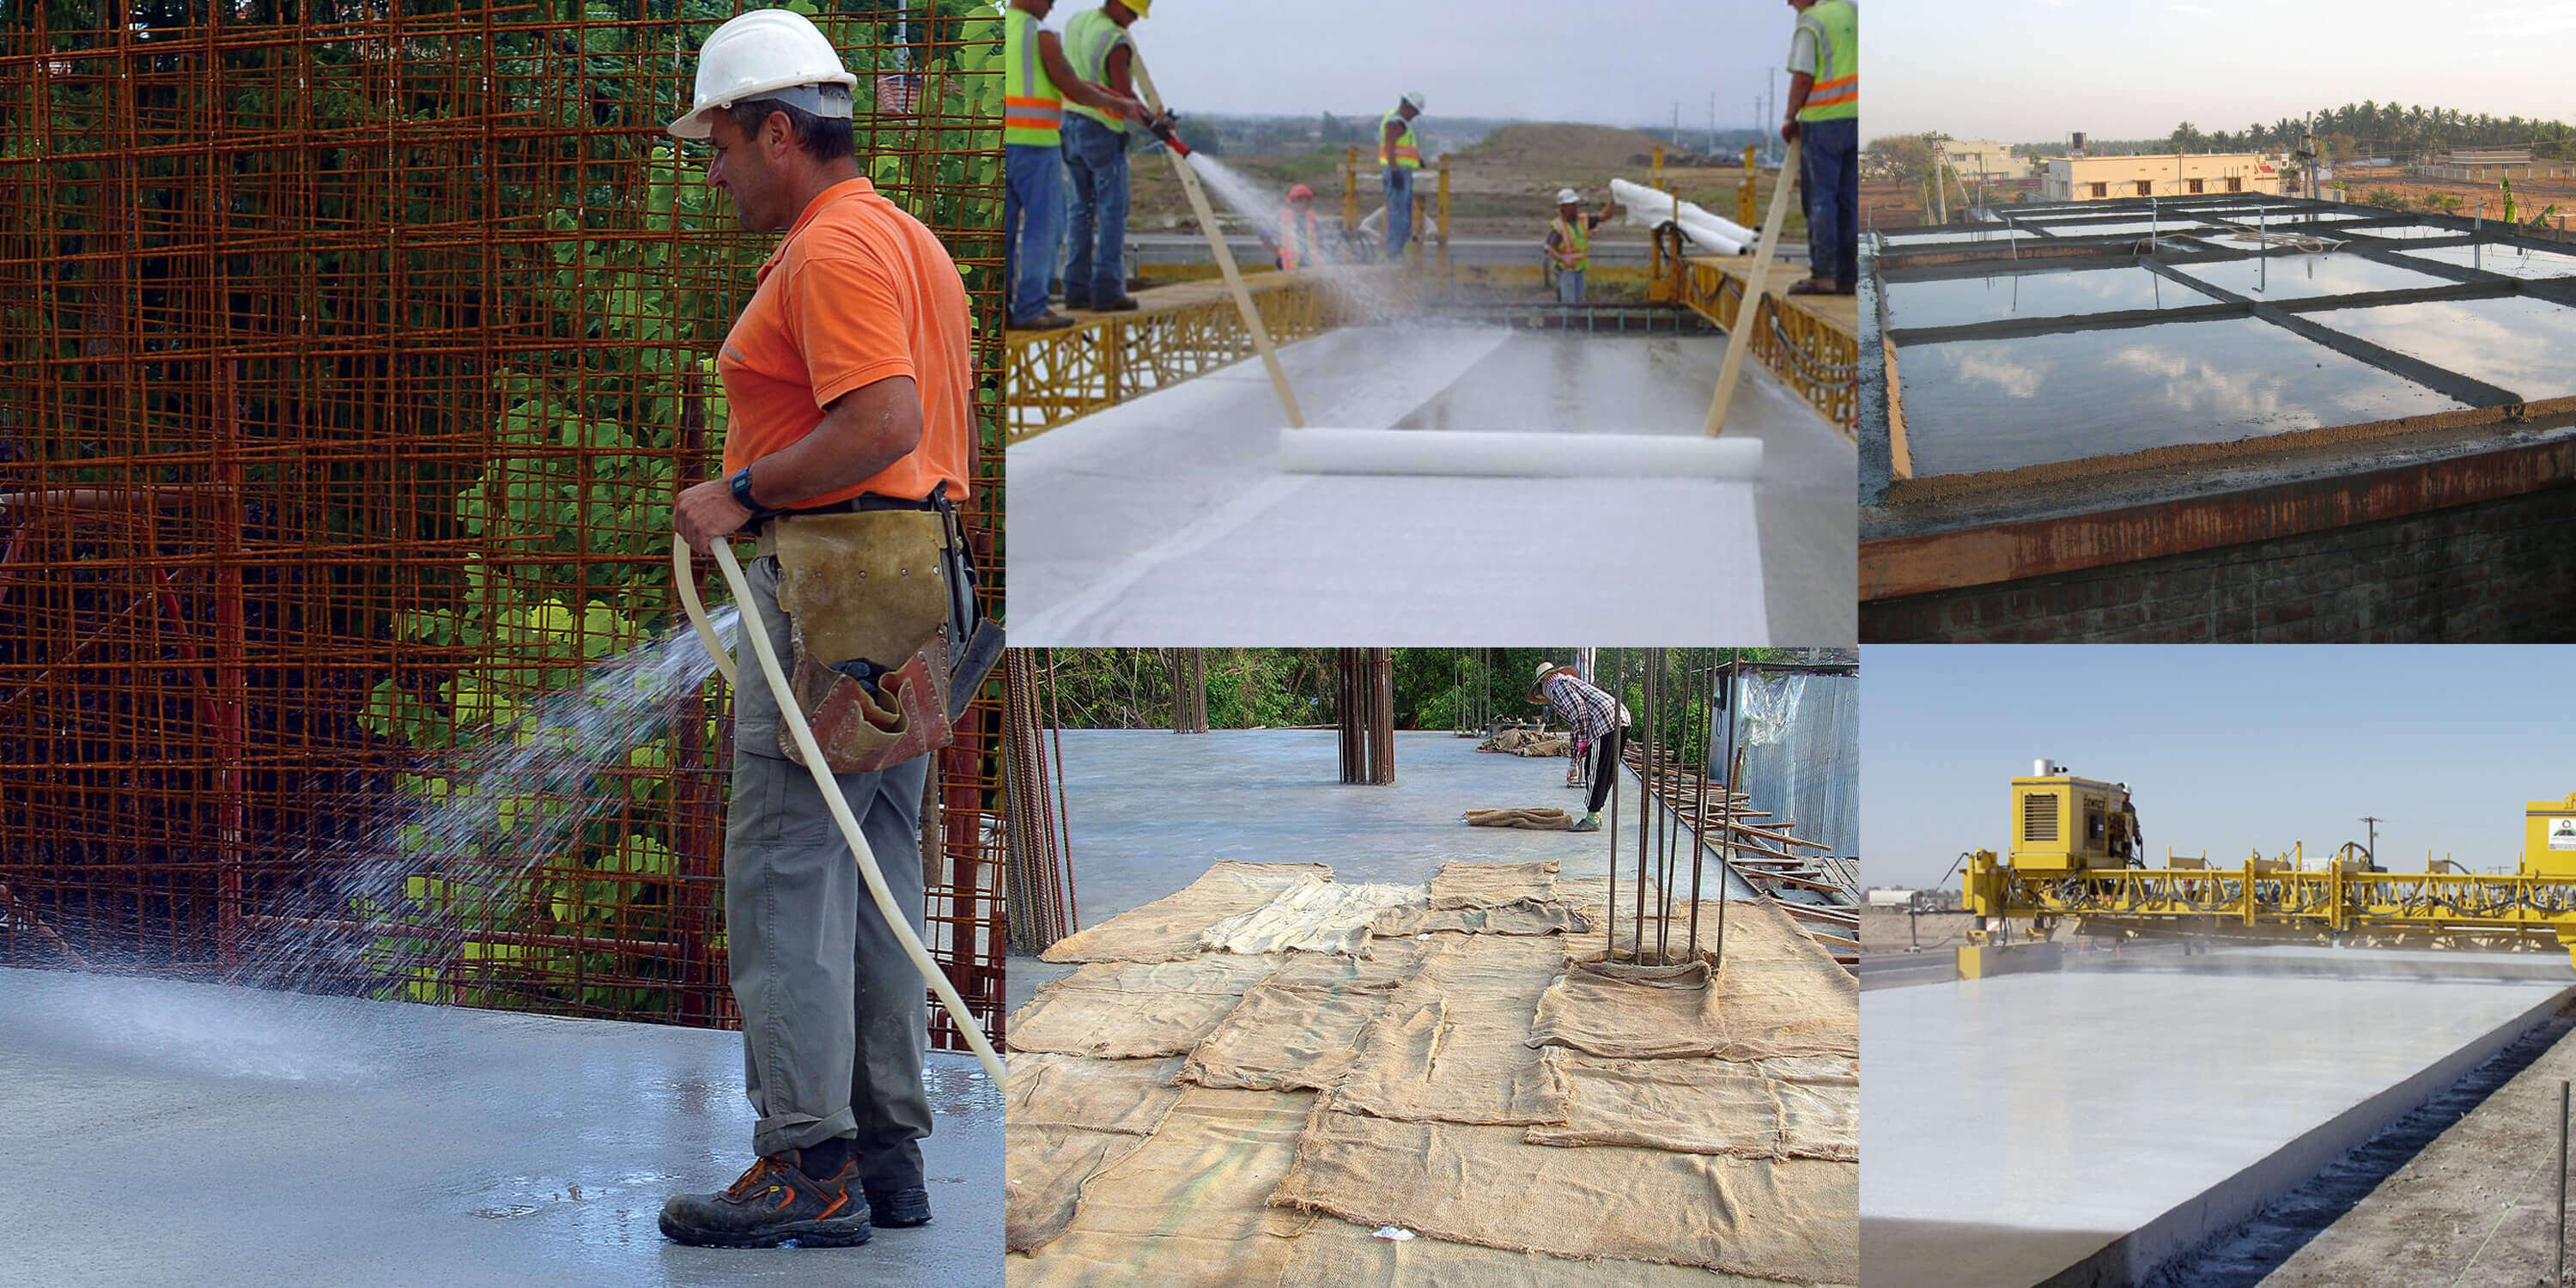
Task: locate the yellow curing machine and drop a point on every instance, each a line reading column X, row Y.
column 2062, row 823
column 2549, row 838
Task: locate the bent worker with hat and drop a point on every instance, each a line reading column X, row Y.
column 1595, row 716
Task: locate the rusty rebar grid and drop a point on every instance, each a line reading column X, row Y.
column 348, row 362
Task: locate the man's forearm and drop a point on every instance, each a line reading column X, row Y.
column 866, row 431
column 1800, row 85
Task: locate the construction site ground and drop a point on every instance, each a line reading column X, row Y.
column 153, row 1131
column 1166, row 519
column 1503, row 186
column 2170, row 1100
column 1181, row 1113
column 1150, row 810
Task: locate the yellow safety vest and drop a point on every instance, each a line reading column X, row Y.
column 1032, row 107
column 1835, row 27
column 1573, row 248
column 1289, row 245
column 1089, row 39
column 1406, row 154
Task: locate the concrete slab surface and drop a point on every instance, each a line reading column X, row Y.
column 1166, row 521
column 2021, row 1126
column 1151, row 810
column 161, row 1132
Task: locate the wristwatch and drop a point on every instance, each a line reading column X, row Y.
column 741, row 485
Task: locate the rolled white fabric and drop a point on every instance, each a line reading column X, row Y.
column 1468, row 454
column 1648, row 208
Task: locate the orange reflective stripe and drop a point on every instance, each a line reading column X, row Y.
column 1829, row 93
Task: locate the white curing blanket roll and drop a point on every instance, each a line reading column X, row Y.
column 1648, row 208
column 1491, row 455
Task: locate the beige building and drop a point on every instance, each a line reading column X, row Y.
column 2173, row 175
column 2486, row 165
column 1982, row 161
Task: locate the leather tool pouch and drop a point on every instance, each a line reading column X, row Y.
column 867, row 588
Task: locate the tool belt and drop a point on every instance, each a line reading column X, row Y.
column 876, row 601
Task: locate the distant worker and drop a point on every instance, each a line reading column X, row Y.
column 1593, row 715
column 1297, row 244
column 1824, row 111
column 1569, row 242
column 853, row 428
column 1037, row 81
column 1102, row 54
column 1399, row 154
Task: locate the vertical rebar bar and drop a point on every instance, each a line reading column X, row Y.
column 2558, row 1272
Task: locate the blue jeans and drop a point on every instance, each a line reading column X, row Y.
column 1829, row 158
column 1097, row 155
column 1399, row 208
column 1032, row 204
column 1569, row 286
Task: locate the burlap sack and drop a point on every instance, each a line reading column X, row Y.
column 1129, row 1097
column 1320, row 917
column 1646, row 1012
column 1451, row 1042
column 1519, row 917
column 1136, row 1010
column 1488, row 885
column 1168, row 928
column 1299, row 1028
column 1336, row 1252
column 1528, row 820
column 1699, row 1105
column 1188, row 1207
column 1794, row 1220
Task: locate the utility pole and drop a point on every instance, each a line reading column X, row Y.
column 2373, row 823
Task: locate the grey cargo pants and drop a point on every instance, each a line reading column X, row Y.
column 834, row 1015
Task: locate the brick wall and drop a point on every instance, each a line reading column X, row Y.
column 2496, row 571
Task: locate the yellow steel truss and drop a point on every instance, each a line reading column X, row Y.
column 2282, row 899
column 1818, row 360
column 1058, row 376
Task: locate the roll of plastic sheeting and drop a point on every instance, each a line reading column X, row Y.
column 1459, row 453
column 1651, row 209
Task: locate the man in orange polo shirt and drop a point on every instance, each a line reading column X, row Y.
column 850, row 394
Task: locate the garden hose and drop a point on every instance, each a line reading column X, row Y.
column 758, row 635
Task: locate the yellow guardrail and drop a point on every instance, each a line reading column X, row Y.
column 1819, row 360
column 1109, row 358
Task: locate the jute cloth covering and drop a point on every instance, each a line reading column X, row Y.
column 1136, row 1010
column 1168, row 928
column 1450, row 1044
column 1320, row 917
column 1543, row 819
column 1298, row 1029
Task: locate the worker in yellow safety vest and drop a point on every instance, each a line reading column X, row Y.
column 1399, row 154
column 1297, row 244
column 1824, row 112
column 1037, row 82
column 1569, row 242
column 1102, row 54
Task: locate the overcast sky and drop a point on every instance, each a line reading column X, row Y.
column 2224, row 747
column 2028, row 71
column 1611, row 62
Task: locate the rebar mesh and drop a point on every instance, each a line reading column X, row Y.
column 350, row 356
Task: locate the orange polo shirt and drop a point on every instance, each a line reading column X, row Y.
column 857, row 292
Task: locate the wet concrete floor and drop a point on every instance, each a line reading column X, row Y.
column 2016, row 1126
column 161, row 1132
column 2531, row 265
column 1975, row 405
column 2053, row 293
column 1165, row 520
column 1151, row 810
column 2292, row 277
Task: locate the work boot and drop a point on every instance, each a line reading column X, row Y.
column 1123, row 304
column 1812, row 286
column 1047, row 321
column 1587, row 823
column 773, row 1203
column 891, row 1178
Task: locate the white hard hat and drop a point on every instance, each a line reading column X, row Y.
column 1413, row 100
column 768, row 53
column 1568, row 197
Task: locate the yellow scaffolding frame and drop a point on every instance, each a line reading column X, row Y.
column 2280, row 899
column 1059, row 376
column 1817, row 360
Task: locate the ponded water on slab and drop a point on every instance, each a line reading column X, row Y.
column 2404, row 232
column 1955, row 301
column 282, row 1139
column 2132, row 228
column 2298, row 276
column 1973, row 405
column 1960, row 233
column 2511, row 261
column 2517, row 343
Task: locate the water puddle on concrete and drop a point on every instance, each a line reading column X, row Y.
column 1959, row 300
column 1962, row 233
column 1996, row 404
column 2293, row 276
column 2130, row 228
column 2403, row 232
column 1571, row 383
column 2519, row 343
column 2511, row 261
